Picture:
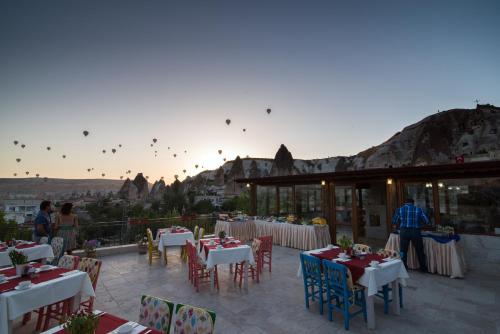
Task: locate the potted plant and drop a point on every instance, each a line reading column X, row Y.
column 82, row 323
column 20, row 261
column 90, row 248
column 222, row 236
column 142, row 243
column 345, row 244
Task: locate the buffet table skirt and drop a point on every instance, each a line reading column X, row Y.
column 244, row 231
column 443, row 258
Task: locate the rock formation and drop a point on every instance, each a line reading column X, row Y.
column 157, row 190
column 283, row 163
column 142, row 186
column 128, row 190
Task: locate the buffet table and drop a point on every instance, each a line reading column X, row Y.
column 444, row 255
column 303, row 237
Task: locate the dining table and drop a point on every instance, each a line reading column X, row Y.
column 212, row 252
column 173, row 237
column 32, row 250
column 49, row 284
column 388, row 271
column 109, row 323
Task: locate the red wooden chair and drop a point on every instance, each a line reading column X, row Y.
column 254, row 270
column 266, row 249
column 198, row 269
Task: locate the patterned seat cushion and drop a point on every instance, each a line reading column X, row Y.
column 388, row 253
column 156, row 313
column 193, row 320
column 91, row 267
column 68, row 262
column 362, row 248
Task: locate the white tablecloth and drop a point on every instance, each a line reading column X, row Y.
column 34, row 253
column 174, row 239
column 14, row 304
column 443, row 258
column 227, row 256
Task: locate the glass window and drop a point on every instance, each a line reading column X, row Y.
column 286, row 200
column 372, row 214
column 308, row 201
column 343, row 211
column 470, row 205
column 421, row 192
column 266, row 201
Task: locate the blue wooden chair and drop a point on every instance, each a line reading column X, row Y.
column 339, row 296
column 386, row 289
column 313, row 281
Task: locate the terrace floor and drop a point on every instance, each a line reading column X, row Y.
column 432, row 304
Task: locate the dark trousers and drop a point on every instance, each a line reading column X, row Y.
column 412, row 234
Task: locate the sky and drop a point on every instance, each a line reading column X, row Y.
column 339, row 77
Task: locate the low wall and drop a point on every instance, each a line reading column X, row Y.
column 482, row 253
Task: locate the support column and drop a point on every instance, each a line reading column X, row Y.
column 253, row 200
column 277, row 201
column 354, row 213
column 330, row 209
column 435, row 199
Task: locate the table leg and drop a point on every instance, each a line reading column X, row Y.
column 230, row 268
column 370, row 310
column 165, row 254
column 212, row 279
column 245, row 277
column 395, row 297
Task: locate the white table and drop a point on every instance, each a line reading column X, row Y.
column 37, row 252
column 391, row 272
column 242, row 253
column 173, row 239
column 14, row 304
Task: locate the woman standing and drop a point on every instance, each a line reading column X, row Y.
column 66, row 226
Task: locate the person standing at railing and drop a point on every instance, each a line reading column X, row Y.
column 43, row 222
column 66, row 225
column 410, row 218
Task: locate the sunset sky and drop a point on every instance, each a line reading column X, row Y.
column 340, row 76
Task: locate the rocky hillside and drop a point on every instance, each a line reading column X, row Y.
column 437, row 139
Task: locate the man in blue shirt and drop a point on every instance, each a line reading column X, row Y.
column 43, row 221
column 410, row 218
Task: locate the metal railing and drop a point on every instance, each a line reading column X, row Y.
column 120, row 232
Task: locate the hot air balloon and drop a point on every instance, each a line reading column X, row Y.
column 64, row 156
column 151, row 145
column 23, row 146
column 48, row 148
column 18, row 160
column 162, row 178
column 185, row 151
column 15, row 174
column 113, row 150
column 175, row 155
column 195, row 166
column 27, row 173
column 156, row 151
column 220, row 151
column 155, row 140
column 37, row 175
column 121, row 177
column 268, row 110
column 119, row 145
column 201, row 167
column 103, row 151
column 224, row 159
column 88, row 170
column 45, row 179
column 16, row 142
column 176, row 176
column 147, row 177
column 129, row 171
column 228, row 121
column 103, row 175
column 168, row 147
column 85, row 133
column 244, row 130
column 184, row 171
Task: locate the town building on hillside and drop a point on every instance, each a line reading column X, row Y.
column 21, row 210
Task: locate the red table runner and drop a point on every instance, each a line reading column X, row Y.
column 3, row 247
column 108, row 323
column 41, row 277
column 180, row 231
column 355, row 264
column 207, row 247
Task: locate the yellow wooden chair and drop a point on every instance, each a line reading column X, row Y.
column 195, row 232
column 152, row 246
column 201, row 233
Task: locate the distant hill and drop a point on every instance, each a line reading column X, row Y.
column 55, row 188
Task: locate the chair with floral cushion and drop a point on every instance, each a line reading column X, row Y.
column 44, row 240
column 254, row 270
column 69, row 262
column 361, row 248
column 57, row 244
column 339, row 296
column 386, row 289
column 190, row 319
column 156, row 313
column 92, row 267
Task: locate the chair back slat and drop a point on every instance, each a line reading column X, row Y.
column 311, row 266
column 266, row 243
column 92, row 267
column 69, row 262
column 336, row 277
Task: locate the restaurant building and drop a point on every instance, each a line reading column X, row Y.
column 361, row 203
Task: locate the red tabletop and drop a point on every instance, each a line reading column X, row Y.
column 355, row 264
column 230, row 243
column 108, row 323
column 37, row 278
column 184, row 230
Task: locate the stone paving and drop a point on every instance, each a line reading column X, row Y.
column 432, row 304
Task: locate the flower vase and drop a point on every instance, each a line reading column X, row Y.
column 21, row 269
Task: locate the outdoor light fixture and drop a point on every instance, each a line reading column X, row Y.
column 323, row 182
column 428, row 185
column 440, row 185
column 389, row 181
column 248, row 185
